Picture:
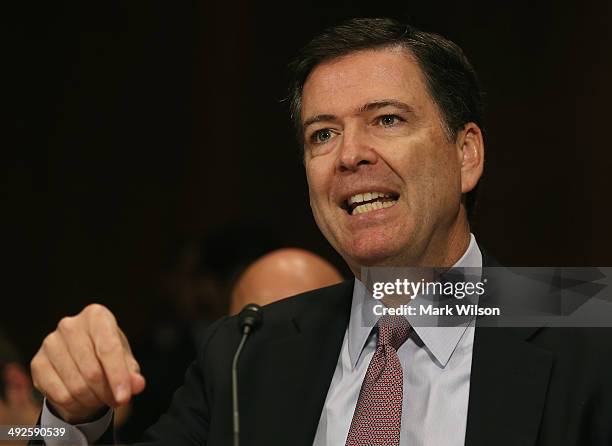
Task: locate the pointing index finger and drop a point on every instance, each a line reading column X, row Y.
column 110, row 350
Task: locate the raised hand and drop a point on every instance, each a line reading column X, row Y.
column 86, row 365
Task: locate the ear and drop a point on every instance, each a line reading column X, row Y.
column 470, row 145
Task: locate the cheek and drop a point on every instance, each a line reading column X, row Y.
column 444, row 183
column 319, row 180
column 314, row 187
column 443, row 187
column 319, row 174
column 317, row 190
column 429, row 170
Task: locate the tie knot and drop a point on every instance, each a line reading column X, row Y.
column 393, row 331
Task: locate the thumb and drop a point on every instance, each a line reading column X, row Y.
column 138, row 383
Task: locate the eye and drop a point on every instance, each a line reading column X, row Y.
column 321, row 136
column 389, row 120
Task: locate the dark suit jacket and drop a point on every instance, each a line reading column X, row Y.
column 535, row 386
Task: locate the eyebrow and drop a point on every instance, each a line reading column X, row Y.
column 317, row 118
column 386, row 103
column 363, row 109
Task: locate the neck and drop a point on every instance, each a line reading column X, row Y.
column 446, row 250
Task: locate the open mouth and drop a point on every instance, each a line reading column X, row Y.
column 369, row 201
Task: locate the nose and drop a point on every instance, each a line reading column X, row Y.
column 354, row 151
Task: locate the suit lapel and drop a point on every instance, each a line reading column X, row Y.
column 322, row 339
column 297, row 366
column 508, row 386
column 508, row 383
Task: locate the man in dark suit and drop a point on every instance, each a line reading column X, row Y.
column 390, row 119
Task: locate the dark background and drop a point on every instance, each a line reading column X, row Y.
column 139, row 122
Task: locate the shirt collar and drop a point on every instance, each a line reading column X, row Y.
column 441, row 341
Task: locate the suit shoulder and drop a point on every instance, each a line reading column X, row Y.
column 314, row 298
column 587, row 339
column 277, row 315
column 586, row 349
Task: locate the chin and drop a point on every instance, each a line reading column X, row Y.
column 370, row 253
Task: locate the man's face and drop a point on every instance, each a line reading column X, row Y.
column 374, row 134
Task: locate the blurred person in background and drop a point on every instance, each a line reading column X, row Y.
column 282, row 273
column 196, row 281
column 198, row 275
column 19, row 402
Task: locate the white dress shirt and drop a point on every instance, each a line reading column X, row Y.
column 436, row 362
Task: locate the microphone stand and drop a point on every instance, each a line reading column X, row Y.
column 250, row 319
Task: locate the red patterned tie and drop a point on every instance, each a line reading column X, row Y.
column 378, row 414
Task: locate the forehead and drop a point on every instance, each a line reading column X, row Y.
column 345, row 83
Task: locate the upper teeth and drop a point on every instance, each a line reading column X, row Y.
column 360, row 198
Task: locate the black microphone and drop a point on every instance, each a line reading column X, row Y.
column 249, row 320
